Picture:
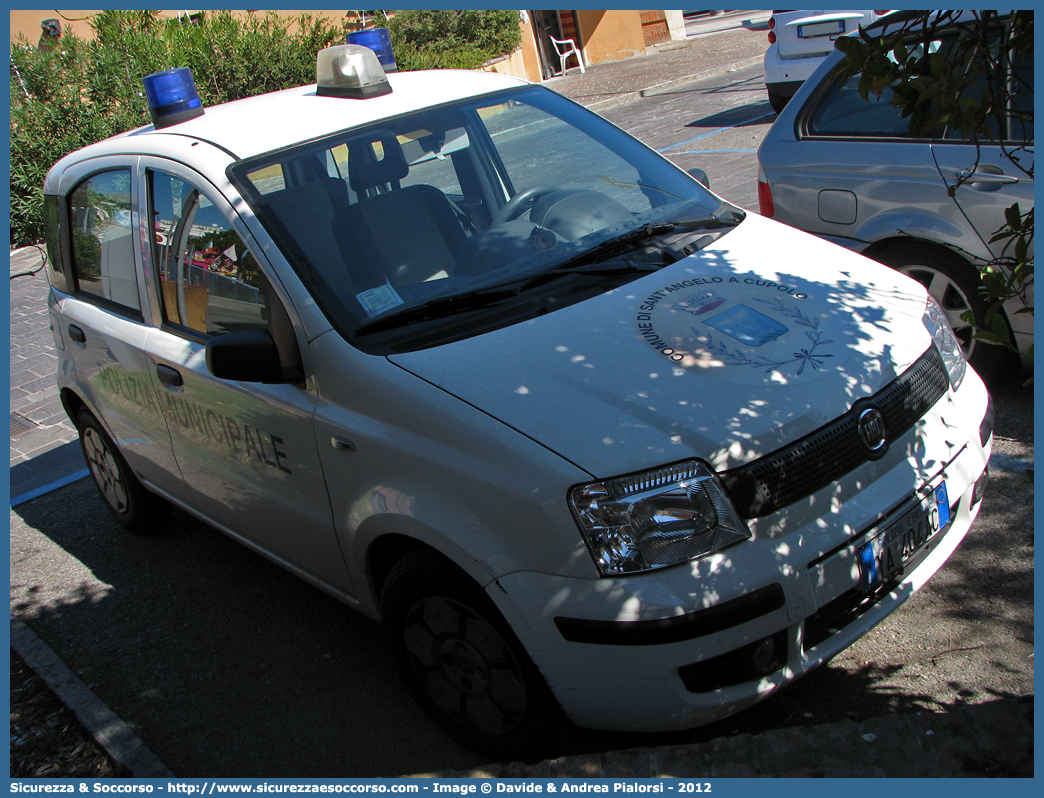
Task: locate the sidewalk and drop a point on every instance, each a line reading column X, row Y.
column 44, row 447
column 668, row 65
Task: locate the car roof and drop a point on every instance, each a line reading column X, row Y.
column 255, row 125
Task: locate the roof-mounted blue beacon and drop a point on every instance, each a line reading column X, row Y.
column 378, row 40
column 172, row 97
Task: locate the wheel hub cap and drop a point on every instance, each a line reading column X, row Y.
column 106, row 471
column 464, row 666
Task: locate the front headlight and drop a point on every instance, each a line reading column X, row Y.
column 657, row 518
column 945, row 341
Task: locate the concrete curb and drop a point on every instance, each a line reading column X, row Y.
column 107, row 729
column 660, row 88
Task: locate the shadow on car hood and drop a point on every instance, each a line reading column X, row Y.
column 726, row 355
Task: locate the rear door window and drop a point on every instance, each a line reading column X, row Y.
column 103, row 241
column 1016, row 124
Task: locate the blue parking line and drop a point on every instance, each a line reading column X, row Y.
column 720, row 130
column 59, row 483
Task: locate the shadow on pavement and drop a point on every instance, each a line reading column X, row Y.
column 60, row 463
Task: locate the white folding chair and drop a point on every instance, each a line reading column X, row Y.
column 566, row 48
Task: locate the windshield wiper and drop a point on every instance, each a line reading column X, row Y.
column 621, row 243
column 628, row 241
column 599, row 260
column 482, row 297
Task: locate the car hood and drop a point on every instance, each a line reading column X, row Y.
column 726, row 355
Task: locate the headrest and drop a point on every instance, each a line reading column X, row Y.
column 370, row 165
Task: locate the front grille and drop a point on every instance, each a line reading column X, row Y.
column 839, row 613
column 820, row 458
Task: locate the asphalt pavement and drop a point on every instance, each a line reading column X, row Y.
column 986, row 739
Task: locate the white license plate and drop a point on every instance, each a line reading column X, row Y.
column 884, row 556
column 821, row 29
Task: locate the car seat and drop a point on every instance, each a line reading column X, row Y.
column 410, row 232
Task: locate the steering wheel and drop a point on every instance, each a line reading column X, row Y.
column 514, row 206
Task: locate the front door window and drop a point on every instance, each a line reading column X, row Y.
column 210, row 283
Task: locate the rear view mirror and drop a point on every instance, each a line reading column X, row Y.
column 245, row 356
column 700, row 176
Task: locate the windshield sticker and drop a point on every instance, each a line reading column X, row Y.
column 377, row 300
column 733, row 324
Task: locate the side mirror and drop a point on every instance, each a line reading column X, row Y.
column 245, row 356
column 700, row 176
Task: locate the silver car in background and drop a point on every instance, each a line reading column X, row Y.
column 849, row 171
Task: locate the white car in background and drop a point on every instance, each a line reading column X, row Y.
column 798, row 43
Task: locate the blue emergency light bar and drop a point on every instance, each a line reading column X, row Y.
column 378, row 40
column 172, row 97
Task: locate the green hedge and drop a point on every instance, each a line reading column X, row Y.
column 446, row 39
column 84, row 91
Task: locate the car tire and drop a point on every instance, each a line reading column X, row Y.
column 778, row 101
column 955, row 285
column 134, row 506
column 463, row 664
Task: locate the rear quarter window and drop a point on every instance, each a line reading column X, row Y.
column 52, row 241
column 841, row 111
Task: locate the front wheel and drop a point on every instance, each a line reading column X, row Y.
column 462, row 662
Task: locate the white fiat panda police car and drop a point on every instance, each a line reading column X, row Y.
column 584, row 437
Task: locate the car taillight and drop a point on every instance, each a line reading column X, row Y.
column 772, row 34
column 765, row 204
column 772, row 37
column 772, row 23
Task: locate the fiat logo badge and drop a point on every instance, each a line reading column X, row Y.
column 871, row 429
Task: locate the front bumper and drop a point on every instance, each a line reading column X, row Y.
column 685, row 646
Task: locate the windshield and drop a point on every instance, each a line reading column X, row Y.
column 444, row 223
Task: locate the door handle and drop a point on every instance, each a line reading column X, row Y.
column 77, row 334
column 342, row 443
column 169, row 376
column 985, row 177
